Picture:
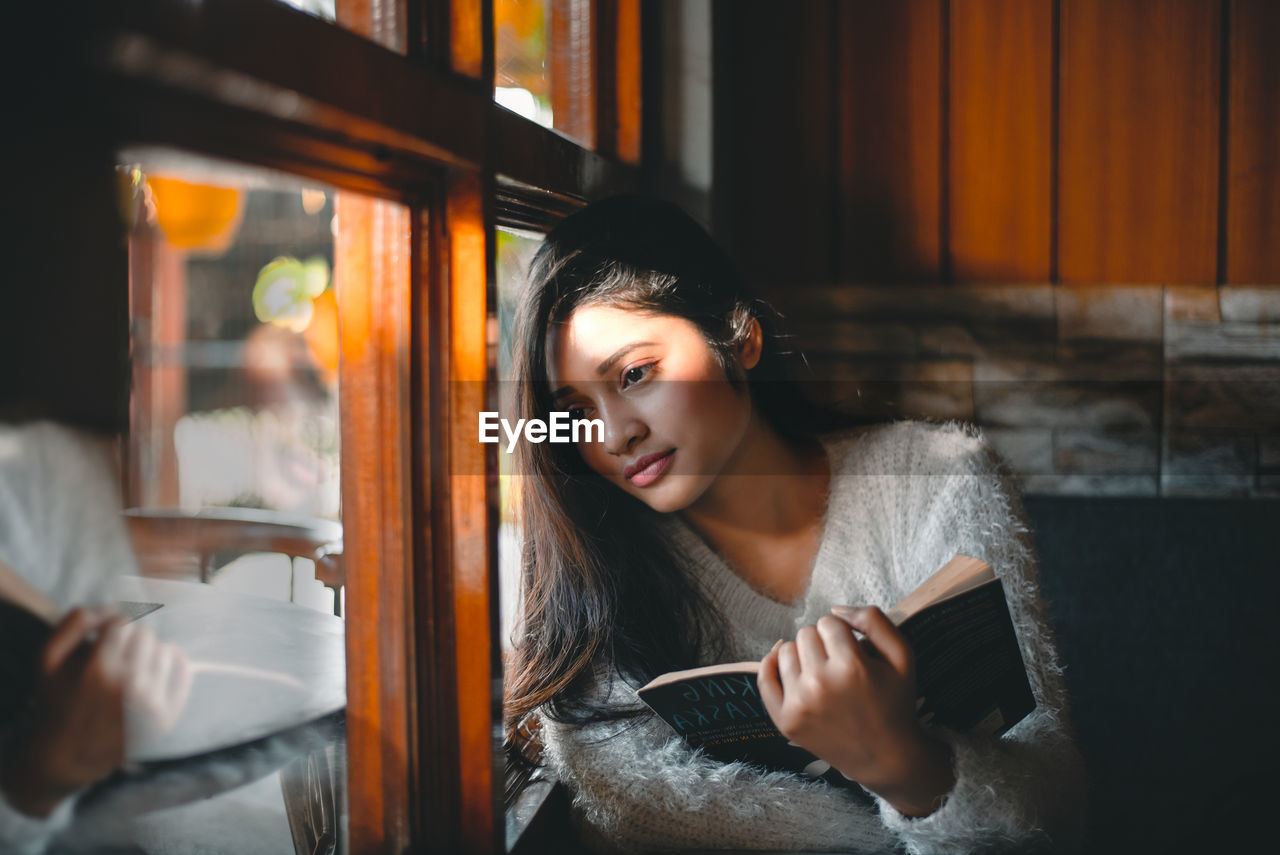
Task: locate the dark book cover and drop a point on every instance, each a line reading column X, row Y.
column 970, row 676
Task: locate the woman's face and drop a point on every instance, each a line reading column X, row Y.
column 672, row 420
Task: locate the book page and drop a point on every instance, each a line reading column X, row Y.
column 961, row 573
column 704, row 671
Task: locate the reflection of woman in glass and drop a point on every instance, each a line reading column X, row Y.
column 710, row 523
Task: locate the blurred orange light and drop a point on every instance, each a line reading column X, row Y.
column 196, row 216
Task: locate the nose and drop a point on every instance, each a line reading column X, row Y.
column 622, row 432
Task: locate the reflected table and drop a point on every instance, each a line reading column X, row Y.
column 268, row 695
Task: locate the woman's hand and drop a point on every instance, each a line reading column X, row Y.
column 98, row 673
column 853, row 704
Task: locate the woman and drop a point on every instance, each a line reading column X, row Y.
column 711, row 524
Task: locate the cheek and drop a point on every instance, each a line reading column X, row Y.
column 594, row 455
column 715, row 409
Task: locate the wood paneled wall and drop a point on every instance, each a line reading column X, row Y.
column 1073, row 141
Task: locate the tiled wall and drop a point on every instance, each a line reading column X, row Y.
column 1107, row 390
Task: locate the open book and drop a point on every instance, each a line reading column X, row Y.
column 970, row 676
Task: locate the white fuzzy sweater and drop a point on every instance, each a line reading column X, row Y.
column 904, row 498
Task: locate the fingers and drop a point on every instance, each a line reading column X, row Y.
column 880, row 633
column 69, row 634
column 788, row 663
column 769, row 682
column 809, row 647
column 838, row 639
column 179, row 686
column 139, row 651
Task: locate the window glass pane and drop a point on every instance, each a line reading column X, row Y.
column 522, row 77
column 233, row 494
column 515, row 251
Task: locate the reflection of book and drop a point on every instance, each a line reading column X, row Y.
column 969, row 676
column 27, row 620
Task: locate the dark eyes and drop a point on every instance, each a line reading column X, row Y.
column 635, row 374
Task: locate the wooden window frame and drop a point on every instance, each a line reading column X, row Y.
column 417, row 127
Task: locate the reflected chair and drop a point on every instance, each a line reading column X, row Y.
column 170, row 542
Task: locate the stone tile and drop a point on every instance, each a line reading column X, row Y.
column 1125, row 312
column 1067, row 404
column 1250, row 303
column 1191, row 303
column 894, row 389
column 990, row 338
column 1028, row 451
column 1208, row 454
column 922, row 301
column 1241, row 398
column 949, row 340
column 1106, row 452
column 1229, row 340
column 1091, row 485
column 1133, row 358
column 848, row 337
column 1208, row 486
column 1111, row 362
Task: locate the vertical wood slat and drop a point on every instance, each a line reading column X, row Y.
column 1139, row 132
column 469, row 45
column 1000, row 139
column 572, row 56
column 1253, row 157
column 470, row 509
column 371, row 270
column 619, row 106
column 890, row 137
column 775, row 140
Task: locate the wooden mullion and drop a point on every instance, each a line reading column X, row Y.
column 534, row 156
column 472, row 508
column 371, row 265
column 468, row 50
column 605, row 25
column 458, row 710
column 618, row 83
column 292, row 68
column 148, row 115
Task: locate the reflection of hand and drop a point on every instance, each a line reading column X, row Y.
column 158, row 680
column 93, row 668
column 852, row 703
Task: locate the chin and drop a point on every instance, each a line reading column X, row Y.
column 674, row 493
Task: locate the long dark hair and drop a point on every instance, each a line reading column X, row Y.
column 601, row 593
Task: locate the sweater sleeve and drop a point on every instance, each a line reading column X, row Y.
column 61, row 531
column 1025, row 790
column 638, row 787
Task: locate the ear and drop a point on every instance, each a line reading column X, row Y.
column 750, row 349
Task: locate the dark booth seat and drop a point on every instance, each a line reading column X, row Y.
column 1167, row 622
column 1167, row 613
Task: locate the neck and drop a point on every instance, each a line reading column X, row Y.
column 771, row 488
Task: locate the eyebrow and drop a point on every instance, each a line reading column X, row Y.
column 604, row 366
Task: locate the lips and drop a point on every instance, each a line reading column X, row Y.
column 649, row 468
